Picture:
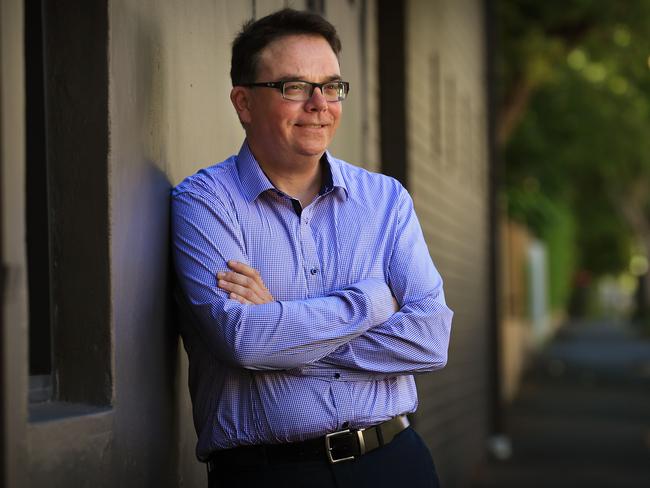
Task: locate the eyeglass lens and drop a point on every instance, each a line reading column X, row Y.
column 301, row 90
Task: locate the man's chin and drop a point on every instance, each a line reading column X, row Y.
column 315, row 150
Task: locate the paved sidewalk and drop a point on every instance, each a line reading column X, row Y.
column 582, row 418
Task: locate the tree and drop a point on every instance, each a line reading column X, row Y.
column 574, row 119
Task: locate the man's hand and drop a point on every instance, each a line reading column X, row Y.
column 244, row 284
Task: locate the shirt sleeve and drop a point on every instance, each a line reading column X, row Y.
column 273, row 336
column 416, row 338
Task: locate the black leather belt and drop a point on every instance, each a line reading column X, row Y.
column 344, row 445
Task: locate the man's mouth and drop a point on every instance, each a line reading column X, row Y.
column 312, row 126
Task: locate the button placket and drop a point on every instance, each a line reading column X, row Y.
column 342, row 401
column 311, row 261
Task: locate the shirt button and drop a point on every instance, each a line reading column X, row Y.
column 337, row 375
column 313, row 271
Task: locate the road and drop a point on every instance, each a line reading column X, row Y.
column 582, row 417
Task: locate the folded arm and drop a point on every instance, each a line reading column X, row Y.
column 413, row 340
column 416, row 338
column 273, row 335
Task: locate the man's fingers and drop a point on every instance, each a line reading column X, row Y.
column 247, row 271
column 237, row 278
column 243, row 287
column 246, row 282
column 243, row 269
column 238, row 290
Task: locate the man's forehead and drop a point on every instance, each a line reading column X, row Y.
column 284, row 42
column 296, row 48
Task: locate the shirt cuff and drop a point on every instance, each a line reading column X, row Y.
column 380, row 300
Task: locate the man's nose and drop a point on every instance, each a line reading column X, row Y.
column 317, row 100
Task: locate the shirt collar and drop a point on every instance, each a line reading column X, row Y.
column 254, row 181
column 252, row 178
column 334, row 166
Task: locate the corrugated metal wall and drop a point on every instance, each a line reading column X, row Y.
column 448, row 171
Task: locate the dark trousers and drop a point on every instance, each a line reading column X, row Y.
column 406, row 461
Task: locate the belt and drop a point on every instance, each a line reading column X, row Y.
column 336, row 447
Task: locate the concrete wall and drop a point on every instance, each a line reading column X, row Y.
column 171, row 115
column 13, row 322
column 123, row 439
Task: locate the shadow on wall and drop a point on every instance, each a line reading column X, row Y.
column 154, row 435
column 157, row 96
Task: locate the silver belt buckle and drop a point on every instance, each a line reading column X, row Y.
column 329, row 448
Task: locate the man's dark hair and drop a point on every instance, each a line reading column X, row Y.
column 256, row 35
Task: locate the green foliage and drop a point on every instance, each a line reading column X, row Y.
column 554, row 224
column 582, row 142
column 560, row 241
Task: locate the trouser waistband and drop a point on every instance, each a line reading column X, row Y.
column 335, row 447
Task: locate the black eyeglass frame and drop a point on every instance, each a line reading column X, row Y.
column 279, row 85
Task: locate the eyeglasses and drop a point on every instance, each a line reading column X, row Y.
column 300, row 91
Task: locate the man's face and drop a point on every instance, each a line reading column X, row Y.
column 285, row 132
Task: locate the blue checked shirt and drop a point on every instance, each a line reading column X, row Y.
column 330, row 352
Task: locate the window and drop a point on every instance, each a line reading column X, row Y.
column 67, row 201
column 40, row 339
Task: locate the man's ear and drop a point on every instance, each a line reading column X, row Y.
column 240, row 98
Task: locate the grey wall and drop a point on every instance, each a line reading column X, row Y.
column 79, row 438
column 170, row 115
column 13, row 340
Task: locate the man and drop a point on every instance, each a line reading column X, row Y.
column 310, row 297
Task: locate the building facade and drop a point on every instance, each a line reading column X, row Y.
column 131, row 97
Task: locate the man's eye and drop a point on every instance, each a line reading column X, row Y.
column 294, row 87
column 332, row 88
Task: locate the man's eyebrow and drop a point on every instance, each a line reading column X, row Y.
column 297, row 78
